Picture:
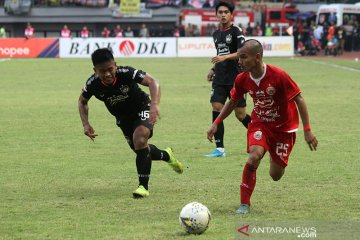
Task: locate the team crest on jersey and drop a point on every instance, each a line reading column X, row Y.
column 124, row 89
column 228, row 38
column 270, row 90
column 258, row 135
column 260, row 93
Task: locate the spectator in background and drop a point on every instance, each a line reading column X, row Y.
column 268, row 30
column 295, row 33
column 105, row 32
column 340, row 36
column 208, row 30
column 301, row 48
column 259, row 31
column 189, row 31
column 2, row 32
column 332, row 46
column 128, row 32
column 197, row 31
column 65, row 32
column 324, row 35
column 331, row 32
column 318, row 32
column 84, row 32
column 176, row 32
column 144, row 31
column 349, row 29
column 249, row 30
column 118, row 32
column 29, row 31
column 305, row 36
column 356, row 36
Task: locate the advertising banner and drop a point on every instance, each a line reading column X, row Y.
column 130, row 6
column 277, row 46
column 204, row 46
column 196, row 47
column 29, row 48
column 121, row 47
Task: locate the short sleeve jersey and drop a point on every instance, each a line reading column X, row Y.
column 124, row 96
column 273, row 96
column 226, row 42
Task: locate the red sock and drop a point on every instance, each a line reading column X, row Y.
column 248, row 183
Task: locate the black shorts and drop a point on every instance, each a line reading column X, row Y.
column 129, row 123
column 220, row 93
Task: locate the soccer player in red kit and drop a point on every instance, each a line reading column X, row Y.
column 275, row 117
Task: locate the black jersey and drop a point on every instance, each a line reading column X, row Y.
column 124, row 96
column 226, row 42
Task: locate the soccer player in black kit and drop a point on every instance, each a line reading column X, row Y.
column 228, row 39
column 135, row 112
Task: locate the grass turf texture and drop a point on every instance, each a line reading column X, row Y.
column 57, row 184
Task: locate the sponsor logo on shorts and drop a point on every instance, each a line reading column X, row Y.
column 258, row 135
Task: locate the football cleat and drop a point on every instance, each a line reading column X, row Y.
column 216, row 153
column 175, row 164
column 243, row 209
column 141, row 192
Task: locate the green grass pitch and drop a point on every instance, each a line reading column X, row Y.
column 57, row 184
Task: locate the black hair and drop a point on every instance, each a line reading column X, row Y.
column 101, row 55
column 225, row 3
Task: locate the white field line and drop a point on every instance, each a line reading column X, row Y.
column 4, row 59
column 328, row 64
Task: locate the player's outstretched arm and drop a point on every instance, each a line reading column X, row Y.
column 154, row 89
column 84, row 116
column 308, row 135
column 225, row 112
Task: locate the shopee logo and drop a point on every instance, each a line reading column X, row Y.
column 14, row 51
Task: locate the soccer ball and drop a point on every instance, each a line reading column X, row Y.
column 195, row 218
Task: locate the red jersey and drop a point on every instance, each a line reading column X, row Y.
column 29, row 32
column 65, row 33
column 273, row 96
column 84, row 33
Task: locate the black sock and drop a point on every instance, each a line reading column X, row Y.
column 143, row 166
column 157, row 154
column 219, row 135
column 246, row 120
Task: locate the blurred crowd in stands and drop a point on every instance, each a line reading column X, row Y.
column 70, row 3
column 327, row 39
column 107, row 32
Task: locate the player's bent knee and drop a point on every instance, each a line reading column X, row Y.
column 254, row 159
column 140, row 142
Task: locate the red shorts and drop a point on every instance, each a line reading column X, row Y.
column 278, row 144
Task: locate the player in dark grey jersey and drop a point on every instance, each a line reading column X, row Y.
column 135, row 112
column 228, row 39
